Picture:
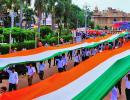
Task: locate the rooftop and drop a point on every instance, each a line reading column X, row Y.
column 110, row 12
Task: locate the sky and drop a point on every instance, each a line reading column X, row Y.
column 104, row 4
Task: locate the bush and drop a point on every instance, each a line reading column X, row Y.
column 45, row 30
column 97, row 27
column 4, row 48
column 18, row 34
column 65, row 32
column 53, row 40
column 1, row 30
column 67, row 38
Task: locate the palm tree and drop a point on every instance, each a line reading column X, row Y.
column 2, row 8
column 21, row 13
column 51, row 7
column 28, row 16
column 59, row 12
column 67, row 12
column 39, row 10
column 21, row 10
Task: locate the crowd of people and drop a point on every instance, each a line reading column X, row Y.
column 61, row 61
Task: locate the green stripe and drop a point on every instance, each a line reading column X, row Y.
column 101, row 86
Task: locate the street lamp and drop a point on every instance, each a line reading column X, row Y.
column 12, row 15
column 53, row 8
column 56, row 3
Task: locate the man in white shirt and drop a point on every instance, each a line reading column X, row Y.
column 64, row 62
column 60, row 64
column 87, row 54
column 41, row 67
column 94, row 51
column 30, row 73
column 13, row 79
column 76, row 59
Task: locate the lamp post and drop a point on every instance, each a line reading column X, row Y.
column 56, row 3
column 12, row 15
column 54, row 16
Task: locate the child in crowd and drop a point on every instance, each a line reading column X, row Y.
column 76, row 59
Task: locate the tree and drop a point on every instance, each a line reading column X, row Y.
column 51, row 8
column 21, row 13
column 97, row 27
column 39, row 8
column 76, row 14
column 29, row 16
column 10, row 5
column 67, row 4
column 59, row 12
column 2, row 7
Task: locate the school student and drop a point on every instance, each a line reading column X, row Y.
column 76, row 59
column 64, row 62
column 13, row 79
column 94, row 51
column 119, row 86
column 30, row 73
column 41, row 67
column 87, row 53
column 114, row 93
column 60, row 64
column 70, row 55
column 127, row 90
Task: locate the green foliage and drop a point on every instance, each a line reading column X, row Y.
column 76, row 15
column 45, row 30
column 91, row 24
column 53, row 40
column 97, row 27
column 18, row 34
column 65, row 32
column 1, row 30
column 29, row 16
column 67, row 38
column 4, row 48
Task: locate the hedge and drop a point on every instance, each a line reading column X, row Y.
column 4, row 48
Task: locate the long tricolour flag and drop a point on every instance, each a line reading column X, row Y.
column 43, row 53
column 90, row 80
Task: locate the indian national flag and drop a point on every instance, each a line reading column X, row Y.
column 90, row 80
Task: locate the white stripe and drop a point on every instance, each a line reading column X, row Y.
column 74, row 88
column 43, row 55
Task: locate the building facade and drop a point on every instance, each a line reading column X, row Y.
column 107, row 17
